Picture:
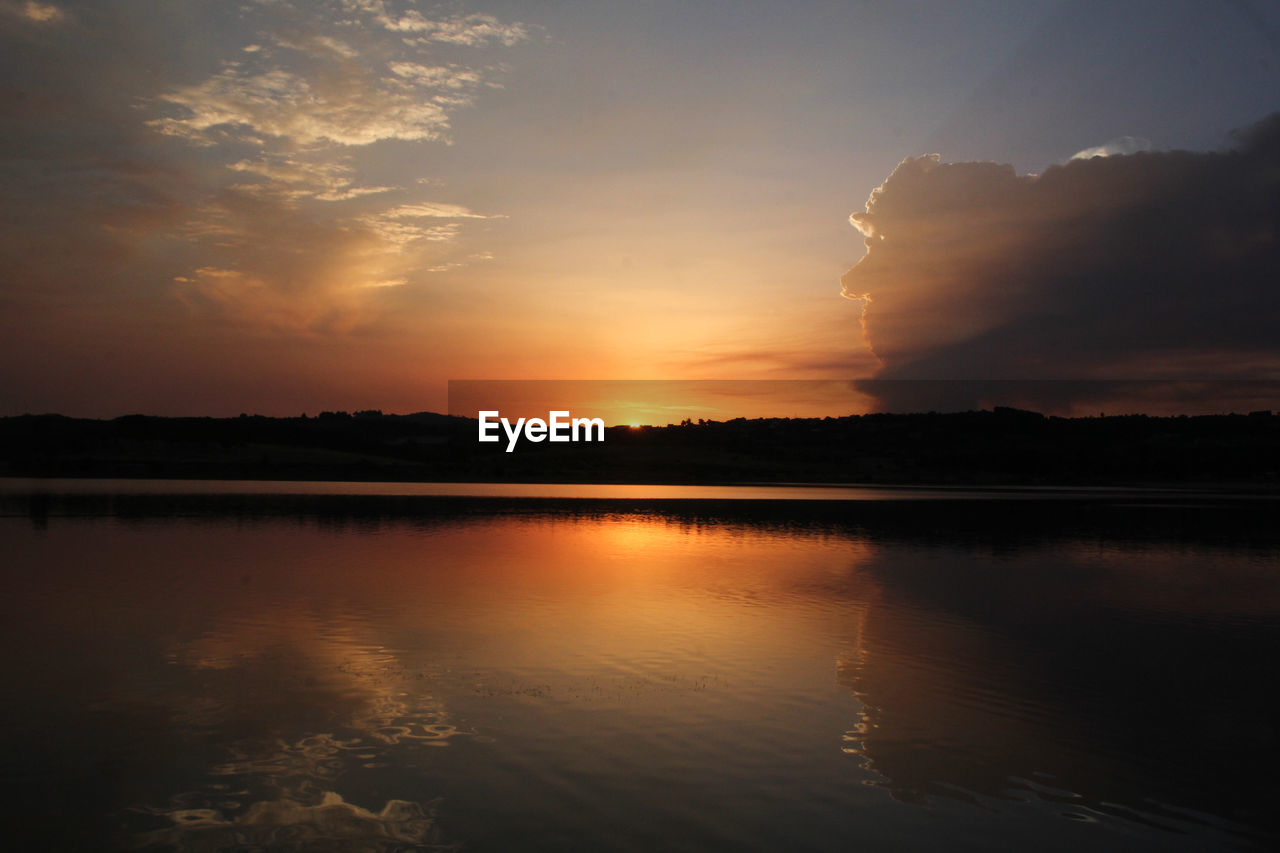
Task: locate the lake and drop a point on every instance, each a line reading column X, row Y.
column 274, row 666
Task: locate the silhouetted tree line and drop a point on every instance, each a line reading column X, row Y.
column 979, row 447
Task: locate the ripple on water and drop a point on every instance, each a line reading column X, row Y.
column 291, row 823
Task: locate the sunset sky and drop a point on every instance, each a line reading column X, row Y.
column 279, row 206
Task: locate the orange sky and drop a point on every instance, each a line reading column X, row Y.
column 343, row 204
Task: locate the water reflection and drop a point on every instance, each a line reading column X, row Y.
column 1111, row 677
column 544, row 676
column 289, row 824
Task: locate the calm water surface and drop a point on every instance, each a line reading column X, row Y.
column 354, row 673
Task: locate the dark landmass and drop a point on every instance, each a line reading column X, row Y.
column 1004, row 446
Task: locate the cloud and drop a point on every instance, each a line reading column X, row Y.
column 1110, row 148
column 1143, row 266
column 295, row 179
column 444, row 76
column 408, row 223
column 351, row 107
column 434, row 210
column 35, row 13
column 274, row 180
column 469, row 30
column 292, row 236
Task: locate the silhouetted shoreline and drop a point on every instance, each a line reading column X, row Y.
column 1003, row 446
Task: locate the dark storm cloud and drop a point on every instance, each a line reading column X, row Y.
column 1150, row 266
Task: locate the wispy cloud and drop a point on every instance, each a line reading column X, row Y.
column 263, row 105
column 295, row 179
column 410, row 223
column 434, row 210
column 1119, row 146
column 469, row 30
column 35, row 13
column 287, row 114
